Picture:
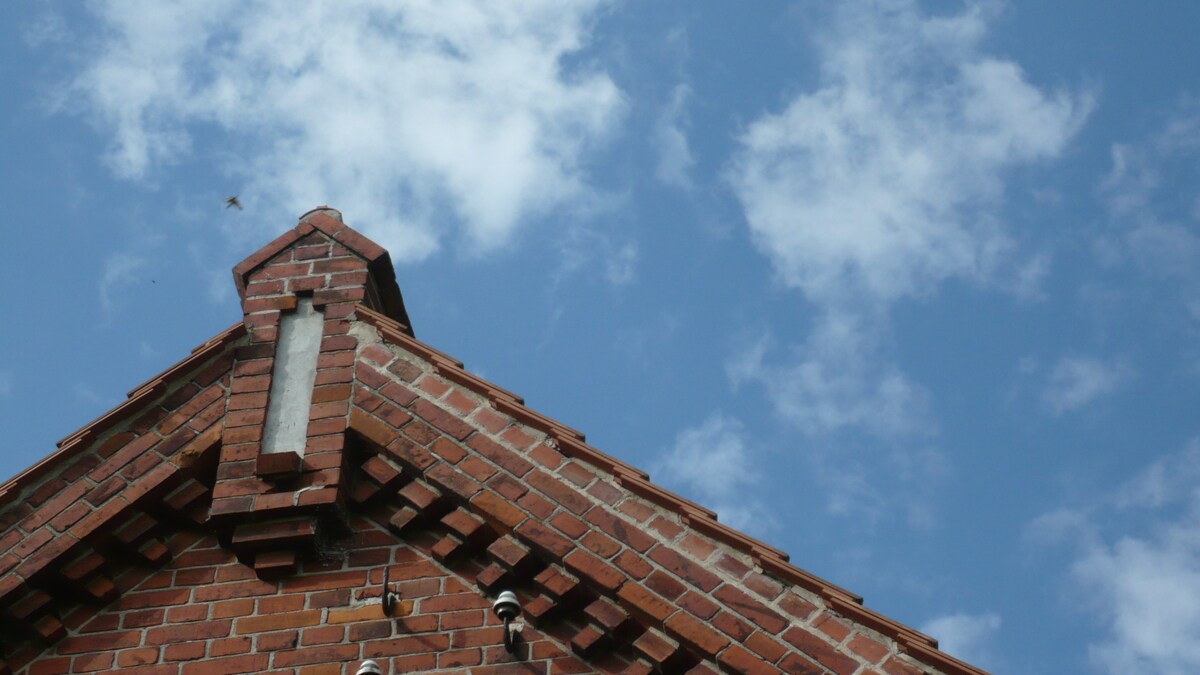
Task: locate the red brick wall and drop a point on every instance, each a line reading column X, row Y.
column 205, row 612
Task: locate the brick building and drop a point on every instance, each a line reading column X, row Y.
column 314, row 487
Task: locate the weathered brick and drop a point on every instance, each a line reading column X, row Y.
column 371, row 427
column 137, row 657
column 665, row 585
column 830, row 625
column 738, row 660
column 690, row 630
column 506, row 459
column 239, row 589
column 452, row 481
column 187, row 651
column 248, row 663
column 867, row 648
column 685, row 568
column 606, row 614
column 204, row 630
column 65, row 498
column 413, row 644
column 448, row 450
column 600, row 544
column 643, row 601
column 98, row 642
column 262, row 624
column 410, row 454
column 765, row 646
column 795, row 663
column 656, row 647
column 441, row 419
column 433, row 385
column 559, row 492
column 161, row 598
column 767, row 618
column 698, row 605
column 817, row 648
column 544, row 539
column 733, row 626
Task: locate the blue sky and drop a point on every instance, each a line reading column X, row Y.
column 910, row 290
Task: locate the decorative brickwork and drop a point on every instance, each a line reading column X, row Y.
column 160, row 539
column 206, row 612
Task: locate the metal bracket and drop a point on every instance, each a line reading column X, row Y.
column 388, row 597
column 510, row 636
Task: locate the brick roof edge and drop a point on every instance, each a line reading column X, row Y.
column 81, row 439
column 392, row 327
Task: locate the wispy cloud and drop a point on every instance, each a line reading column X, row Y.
column 1154, row 213
column 120, row 270
column 613, row 257
column 1077, row 381
column 837, row 380
column 965, row 636
column 711, row 464
column 1148, row 591
column 1140, row 578
column 418, row 119
column 47, row 28
column 621, row 267
column 879, row 184
column 88, row 395
column 670, row 139
column 1170, row 479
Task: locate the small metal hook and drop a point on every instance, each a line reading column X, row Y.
column 389, row 596
column 510, row 640
column 507, row 607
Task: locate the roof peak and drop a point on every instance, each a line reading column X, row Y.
column 324, row 258
column 323, row 209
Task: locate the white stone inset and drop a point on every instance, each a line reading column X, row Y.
column 292, row 380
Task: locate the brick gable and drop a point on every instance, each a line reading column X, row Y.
column 162, row 536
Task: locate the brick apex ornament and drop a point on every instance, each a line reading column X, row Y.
column 240, row 512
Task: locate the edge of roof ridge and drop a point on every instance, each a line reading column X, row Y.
column 82, row 437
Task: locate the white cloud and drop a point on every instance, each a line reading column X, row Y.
column 1167, row 480
column 1148, row 591
column 407, row 115
column 837, row 380
column 1130, row 180
column 584, row 249
column 670, row 139
column 1059, row 526
column 1079, row 380
column 1136, row 563
column 120, row 269
column 1138, row 169
column 712, row 464
column 965, row 636
column 877, row 185
column 46, row 28
column 866, row 425
column 87, row 394
column 882, row 182
column 1154, row 210
column 1168, row 251
column 620, row 268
